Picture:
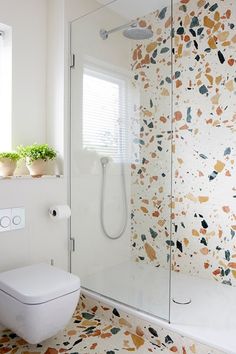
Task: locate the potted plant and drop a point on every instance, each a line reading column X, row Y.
column 36, row 157
column 8, row 161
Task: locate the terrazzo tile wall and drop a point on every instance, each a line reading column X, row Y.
column 204, row 139
column 204, row 124
column 151, row 128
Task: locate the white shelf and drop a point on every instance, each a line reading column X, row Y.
column 31, row 177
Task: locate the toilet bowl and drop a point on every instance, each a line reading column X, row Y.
column 37, row 301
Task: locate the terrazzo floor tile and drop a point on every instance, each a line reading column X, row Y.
column 86, row 333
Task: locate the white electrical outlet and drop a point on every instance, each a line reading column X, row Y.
column 12, row 219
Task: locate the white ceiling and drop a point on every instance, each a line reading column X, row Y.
column 131, row 9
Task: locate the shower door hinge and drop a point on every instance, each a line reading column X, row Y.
column 72, row 244
column 72, row 60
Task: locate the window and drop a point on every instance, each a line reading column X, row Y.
column 5, row 88
column 105, row 114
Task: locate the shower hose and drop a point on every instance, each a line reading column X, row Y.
column 104, row 163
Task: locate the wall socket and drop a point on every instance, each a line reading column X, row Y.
column 12, row 219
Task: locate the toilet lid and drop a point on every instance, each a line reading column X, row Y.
column 38, row 283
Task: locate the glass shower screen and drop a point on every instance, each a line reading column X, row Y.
column 121, row 143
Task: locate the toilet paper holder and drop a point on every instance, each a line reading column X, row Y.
column 59, row 212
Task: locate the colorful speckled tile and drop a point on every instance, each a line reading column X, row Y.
column 86, row 333
column 204, row 139
column 151, row 197
column 100, row 329
column 203, row 125
column 208, row 229
column 167, row 340
column 151, row 147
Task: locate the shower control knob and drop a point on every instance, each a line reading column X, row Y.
column 16, row 220
column 5, row 222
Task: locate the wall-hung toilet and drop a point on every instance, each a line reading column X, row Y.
column 37, row 301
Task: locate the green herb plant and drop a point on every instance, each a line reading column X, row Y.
column 10, row 155
column 35, row 152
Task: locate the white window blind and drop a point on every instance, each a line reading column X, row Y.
column 104, row 113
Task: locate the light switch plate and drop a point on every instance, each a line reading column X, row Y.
column 5, row 220
column 17, row 218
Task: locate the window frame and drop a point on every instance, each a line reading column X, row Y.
column 117, row 77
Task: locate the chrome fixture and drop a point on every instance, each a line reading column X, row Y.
column 131, row 30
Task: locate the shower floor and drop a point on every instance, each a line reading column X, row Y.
column 210, row 317
column 139, row 285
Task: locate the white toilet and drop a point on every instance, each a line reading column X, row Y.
column 37, row 301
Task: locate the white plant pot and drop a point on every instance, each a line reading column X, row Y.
column 7, row 167
column 37, row 168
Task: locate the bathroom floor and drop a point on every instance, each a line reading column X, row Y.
column 86, row 333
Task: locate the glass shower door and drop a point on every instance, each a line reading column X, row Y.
column 121, row 138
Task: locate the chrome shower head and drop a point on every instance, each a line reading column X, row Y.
column 130, row 31
column 138, row 33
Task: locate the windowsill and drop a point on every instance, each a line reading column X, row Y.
column 31, row 177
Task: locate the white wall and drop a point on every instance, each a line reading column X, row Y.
column 41, row 240
column 55, row 127
column 28, row 19
column 77, row 8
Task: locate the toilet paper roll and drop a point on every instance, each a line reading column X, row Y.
column 60, row 212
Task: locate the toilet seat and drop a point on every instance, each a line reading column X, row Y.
column 38, row 284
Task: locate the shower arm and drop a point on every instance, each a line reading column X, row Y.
column 104, row 33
